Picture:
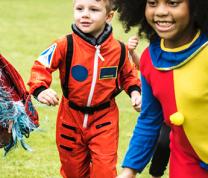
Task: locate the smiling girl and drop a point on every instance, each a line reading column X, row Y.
column 174, row 84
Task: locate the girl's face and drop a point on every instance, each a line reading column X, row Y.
column 91, row 16
column 171, row 21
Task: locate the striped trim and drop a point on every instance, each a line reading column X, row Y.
column 178, row 49
column 185, row 61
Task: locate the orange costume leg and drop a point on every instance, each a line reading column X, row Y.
column 87, row 152
column 104, row 144
column 73, row 152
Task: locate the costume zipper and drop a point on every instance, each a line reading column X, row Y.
column 94, row 79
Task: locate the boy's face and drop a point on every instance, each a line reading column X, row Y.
column 91, row 16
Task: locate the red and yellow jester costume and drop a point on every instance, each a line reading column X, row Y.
column 174, row 87
column 87, row 123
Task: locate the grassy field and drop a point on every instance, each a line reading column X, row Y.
column 27, row 28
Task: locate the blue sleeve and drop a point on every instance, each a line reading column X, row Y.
column 146, row 131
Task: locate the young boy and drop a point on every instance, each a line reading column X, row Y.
column 87, row 123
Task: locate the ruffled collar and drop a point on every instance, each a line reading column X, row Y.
column 168, row 59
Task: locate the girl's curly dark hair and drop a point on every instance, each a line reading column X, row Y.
column 132, row 14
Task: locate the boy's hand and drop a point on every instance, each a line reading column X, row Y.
column 132, row 43
column 136, row 100
column 127, row 173
column 48, row 97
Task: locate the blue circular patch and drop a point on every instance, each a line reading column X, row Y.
column 79, row 73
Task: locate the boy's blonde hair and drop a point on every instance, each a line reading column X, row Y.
column 109, row 4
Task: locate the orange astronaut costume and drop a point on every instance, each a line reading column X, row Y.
column 87, row 122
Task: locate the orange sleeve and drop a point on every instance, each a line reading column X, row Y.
column 129, row 78
column 48, row 61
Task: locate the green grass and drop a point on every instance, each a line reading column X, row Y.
column 27, row 28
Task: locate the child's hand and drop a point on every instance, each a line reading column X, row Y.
column 136, row 100
column 132, row 43
column 48, row 97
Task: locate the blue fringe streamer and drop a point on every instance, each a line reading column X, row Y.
column 15, row 111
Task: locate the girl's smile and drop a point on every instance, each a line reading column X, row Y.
column 164, row 26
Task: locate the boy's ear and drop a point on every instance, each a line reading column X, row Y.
column 110, row 16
